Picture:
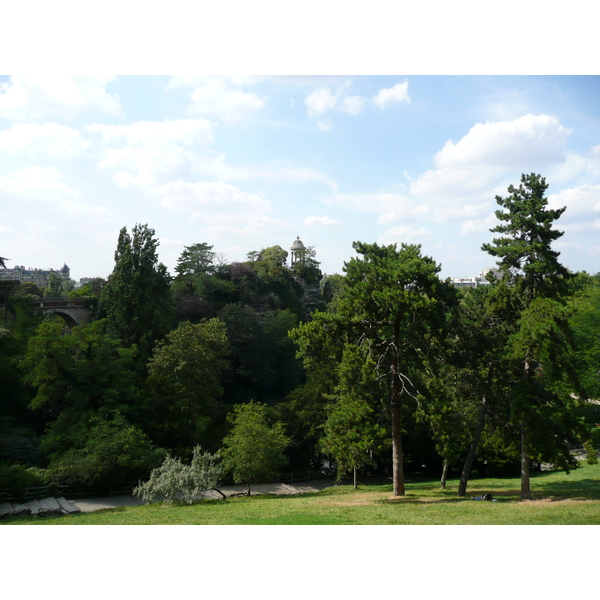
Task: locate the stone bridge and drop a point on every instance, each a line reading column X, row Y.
column 73, row 310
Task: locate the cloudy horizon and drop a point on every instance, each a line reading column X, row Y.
column 243, row 163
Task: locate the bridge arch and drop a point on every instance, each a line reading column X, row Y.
column 70, row 319
column 72, row 311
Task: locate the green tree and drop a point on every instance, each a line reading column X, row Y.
column 331, row 285
column 254, row 450
column 250, row 375
column 54, row 288
column 32, row 289
column 286, row 369
column 351, row 432
column 320, row 345
column 112, row 453
column 585, row 324
column 466, row 377
column 92, row 288
column 539, row 284
column 306, row 265
column 183, row 389
column 136, row 299
column 195, row 259
column 395, row 302
column 76, row 377
column 8, row 288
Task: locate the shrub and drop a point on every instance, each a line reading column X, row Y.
column 19, row 445
column 174, row 481
column 114, row 454
column 16, row 477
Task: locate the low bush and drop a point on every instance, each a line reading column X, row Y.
column 16, row 478
column 174, row 481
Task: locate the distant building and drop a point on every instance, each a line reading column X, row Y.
column 475, row 281
column 38, row 277
column 83, row 280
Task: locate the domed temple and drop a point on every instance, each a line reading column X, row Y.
column 296, row 247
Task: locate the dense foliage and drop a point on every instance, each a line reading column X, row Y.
column 390, row 369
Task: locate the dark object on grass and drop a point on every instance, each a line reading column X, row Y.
column 485, row 497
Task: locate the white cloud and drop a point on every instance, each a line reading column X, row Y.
column 36, row 140
column 353, row 104
column 387, row 96
column 383, row 202
column 226, row 103
column 36, row 182
column 447, row 183
column 29, row 98
column 479, row 225
column 401, row 233
column 585, row 227
column 321, row 222
column 203, row 198
column 459, row 210
column 321, row 101
column 48, row 184
column 275, row 171
column 595, row 150
column 574, row 168
column 529, row 140
column 194, row 81
column 257, row 227
column 180, row 132
column 142, row 153
column 324, row 125
column 580, row 201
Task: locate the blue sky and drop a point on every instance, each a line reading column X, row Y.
column 245, row 162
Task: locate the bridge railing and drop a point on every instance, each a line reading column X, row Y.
column 47, row 302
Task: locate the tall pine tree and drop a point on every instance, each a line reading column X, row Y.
column 539, row 284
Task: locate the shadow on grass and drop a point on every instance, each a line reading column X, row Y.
column 586, row 488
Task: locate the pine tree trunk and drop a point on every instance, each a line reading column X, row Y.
column 397, row 459
column 355, row 486
column 525, row 483
column 445, row 473
column 466, row 472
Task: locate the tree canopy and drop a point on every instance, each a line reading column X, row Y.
column 136, row 298
column 253, row 451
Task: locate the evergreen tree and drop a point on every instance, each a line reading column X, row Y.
column 352, row 431
column 395, row 302
column 195, row 259
column 539, row 284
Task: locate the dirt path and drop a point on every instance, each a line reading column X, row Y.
column 285, row 489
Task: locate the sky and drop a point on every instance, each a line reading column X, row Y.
column 246, row 162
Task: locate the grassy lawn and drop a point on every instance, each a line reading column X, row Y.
column 559, row 499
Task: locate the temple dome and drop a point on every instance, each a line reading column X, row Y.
column 297, row 245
